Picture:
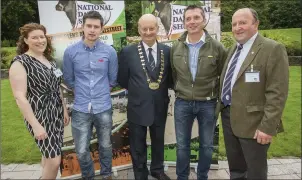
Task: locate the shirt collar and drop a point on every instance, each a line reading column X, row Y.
column 154, row 47
column 202, row 38
column 250, row 41
column 93, row 47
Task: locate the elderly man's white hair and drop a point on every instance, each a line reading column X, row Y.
column 147, row 18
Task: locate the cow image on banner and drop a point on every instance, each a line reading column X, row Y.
column 63, row 20
column 170, row 16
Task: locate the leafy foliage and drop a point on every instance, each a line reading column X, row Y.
column 187, row 3
column 293, row 48
column 7, row 55
column 8, row 43
column 227, row 40
column 272, row 14
column 14, row 14
column 133, row 12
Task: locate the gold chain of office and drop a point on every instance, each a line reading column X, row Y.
column 152, row 85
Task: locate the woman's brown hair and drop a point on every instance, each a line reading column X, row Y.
column 22, row 47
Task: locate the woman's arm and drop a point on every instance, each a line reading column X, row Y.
column 18, row 81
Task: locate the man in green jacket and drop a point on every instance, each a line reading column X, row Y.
column 254, row 88
column 196, row 60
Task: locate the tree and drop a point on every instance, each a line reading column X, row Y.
column 229, row 7
column 15, row 14
column 285, row 14
column 272, row 14
column 133, row 11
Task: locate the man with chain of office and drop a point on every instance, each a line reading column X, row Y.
column 146, row 73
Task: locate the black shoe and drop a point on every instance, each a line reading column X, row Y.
column 160, row 176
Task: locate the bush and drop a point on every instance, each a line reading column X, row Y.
column 227, row 40
column 7, row 55
column 8, row 43
column 293, row 48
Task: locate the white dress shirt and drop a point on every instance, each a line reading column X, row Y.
column 244, row 51
column 154, row 51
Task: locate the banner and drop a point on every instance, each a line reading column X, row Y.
column 170, row 20
column 170, row 16
column 67, row 15
column 63, row 20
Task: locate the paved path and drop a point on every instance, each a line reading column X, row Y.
column 278, row 169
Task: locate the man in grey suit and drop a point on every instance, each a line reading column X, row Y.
column 254, row 88
column 146, row 72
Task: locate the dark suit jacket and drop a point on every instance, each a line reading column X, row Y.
column 259, row 105
column 145, row 106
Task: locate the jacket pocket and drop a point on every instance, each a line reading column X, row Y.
column 254, row 108
column 180, row 62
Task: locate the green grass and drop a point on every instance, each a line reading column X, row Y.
column 17, row 145
column 294, row 34
column 287, row 143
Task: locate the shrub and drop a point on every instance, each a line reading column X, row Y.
column 227, row 40
column 5, row 43
column 8, row 43
column 7, row 55
column 293, row 48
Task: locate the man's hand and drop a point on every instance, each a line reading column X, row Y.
column 262, row 138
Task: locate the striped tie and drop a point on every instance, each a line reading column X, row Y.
column 151, row 59
column 226, row 90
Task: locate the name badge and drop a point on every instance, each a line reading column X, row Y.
column 58, row 72
column 252, row 77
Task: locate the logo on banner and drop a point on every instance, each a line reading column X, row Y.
column 75, row 10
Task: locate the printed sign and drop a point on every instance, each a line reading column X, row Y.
column 67, row 16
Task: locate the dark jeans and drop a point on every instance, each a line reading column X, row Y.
column 82, row 124
column 184, row 114
column 247, row 159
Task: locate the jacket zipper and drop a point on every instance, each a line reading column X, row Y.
column 198, row 67
column 188, row 65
